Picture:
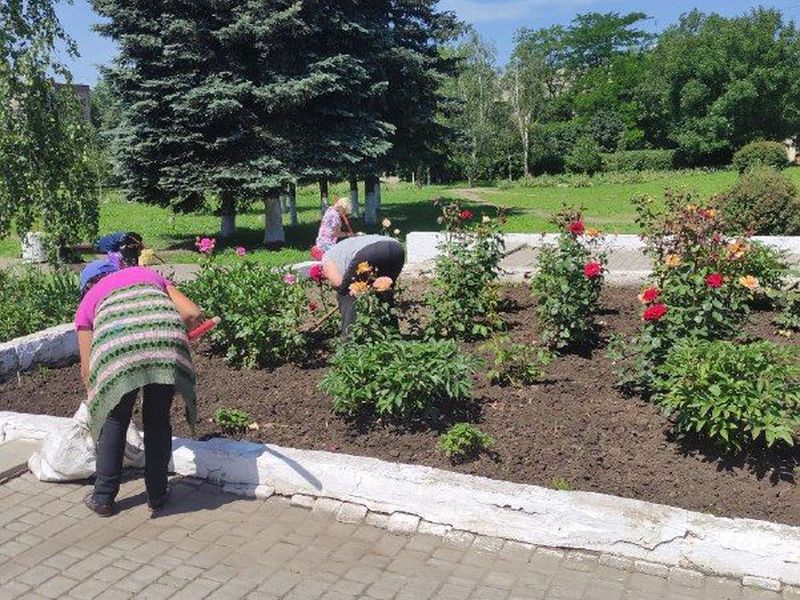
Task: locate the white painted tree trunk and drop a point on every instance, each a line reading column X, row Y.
column 273, row 221
column 378, row 193
column 370, row 201
column 291, row 204
column 354, row 197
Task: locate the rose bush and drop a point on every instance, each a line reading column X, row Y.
column 568, row 284
column 701, row 289
column 463, row 295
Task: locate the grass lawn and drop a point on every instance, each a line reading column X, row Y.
column 607, row 206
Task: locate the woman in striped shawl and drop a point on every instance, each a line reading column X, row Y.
column 131, row 325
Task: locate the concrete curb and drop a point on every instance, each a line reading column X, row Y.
column 466, row 508
column 52, row 346
column 423, row 245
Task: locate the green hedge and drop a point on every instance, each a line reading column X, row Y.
column 765, row 154
column 639, row 160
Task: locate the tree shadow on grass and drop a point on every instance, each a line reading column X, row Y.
column 778, row 463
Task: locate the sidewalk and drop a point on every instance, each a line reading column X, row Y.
column 207, row 544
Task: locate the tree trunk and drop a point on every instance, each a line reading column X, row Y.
column 428, row 175
column 370, row 201
column 324, row 200
column 291, row 203
column 378, row 194
column 510, row 175
column 274, row 235
column 228, row 216
column 354, row 197
column 414, row 176
column 525, row 153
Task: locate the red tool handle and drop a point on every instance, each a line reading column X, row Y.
column 203, row 328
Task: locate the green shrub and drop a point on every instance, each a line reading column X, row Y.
column 232, row 421
column 552, row 142
column 463, row 295
column 639, row 160
column 261, row 313
column 34, row 300
column 763, row 202
column 560, row 484
column 398, row 379
column 568, row 284
column 585, row 157
column 789, row 301
column 760, row 154
column 464, row 442
column 733, row 394
column 515, row 364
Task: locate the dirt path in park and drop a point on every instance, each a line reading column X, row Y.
column 476, row 196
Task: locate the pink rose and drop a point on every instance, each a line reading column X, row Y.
column 289, row 279
column 240, row 250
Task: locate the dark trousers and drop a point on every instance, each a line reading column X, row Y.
column 156, row 404
column 386, row 257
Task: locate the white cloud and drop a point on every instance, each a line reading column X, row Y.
column 477, row 11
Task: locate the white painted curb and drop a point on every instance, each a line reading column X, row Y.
column 422, row 246
column 448, row 503
column 52, row 346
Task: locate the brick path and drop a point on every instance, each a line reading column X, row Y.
column 208, row 544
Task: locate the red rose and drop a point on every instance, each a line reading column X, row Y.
column 655, row 312
column 714, row 280
column 592, row 269
column 313, row 307
column 577, row 228
column 649, row 295
column 465, row 215
column 316, row 273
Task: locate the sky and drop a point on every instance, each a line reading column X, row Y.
column 495, row 20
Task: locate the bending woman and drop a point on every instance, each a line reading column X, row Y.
column 131, row 326
column 330, row 229
column 385, row 254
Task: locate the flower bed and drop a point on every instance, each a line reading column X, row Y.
column 573, row 429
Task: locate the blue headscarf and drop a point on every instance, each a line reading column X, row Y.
column 95, row 269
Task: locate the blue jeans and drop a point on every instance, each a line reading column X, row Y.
column 156, row 404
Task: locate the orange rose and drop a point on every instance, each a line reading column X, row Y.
column 750, row 282
column 363, row 268
column 592, row 232
column 672, row 261
column 383, row 284
column 357, row 288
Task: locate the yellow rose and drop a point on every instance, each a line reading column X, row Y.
column 738, row 249
column 672, row 261
column 357, row 288
column 711, row 213
column 363, row 268
column 592, row 232
column 750, row 282
column 691, row 208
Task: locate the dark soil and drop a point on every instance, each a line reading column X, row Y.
column 575, row 427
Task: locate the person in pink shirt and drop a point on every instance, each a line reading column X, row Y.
column 132, row 335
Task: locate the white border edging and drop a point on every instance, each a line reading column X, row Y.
column 52, row 346
column 409, row 497
column 423, row 245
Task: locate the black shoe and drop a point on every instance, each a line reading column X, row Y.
column 156, row 503
column 101, row 510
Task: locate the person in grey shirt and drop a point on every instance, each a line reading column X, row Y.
column 384, row 254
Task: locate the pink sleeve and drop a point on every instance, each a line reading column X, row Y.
column 83, row 318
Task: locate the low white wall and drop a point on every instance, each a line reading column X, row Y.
column 525, row 513
column 422, row 245
column 52, row 346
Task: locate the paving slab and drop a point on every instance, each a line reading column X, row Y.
column 285, row 551
column 14, row 456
